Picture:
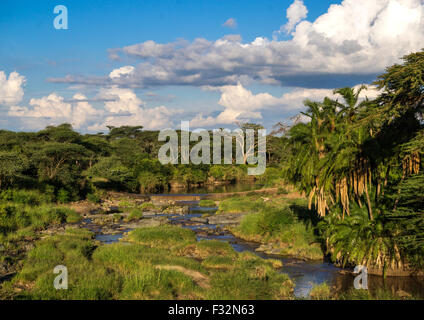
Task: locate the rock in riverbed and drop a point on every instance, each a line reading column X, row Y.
column 226, row 218
column 145, row 223
column 200, row 220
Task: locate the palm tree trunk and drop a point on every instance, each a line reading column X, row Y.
column 369, row 202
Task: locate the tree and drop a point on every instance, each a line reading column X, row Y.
column 11, row 165
column 55, row 161
column 353, row 150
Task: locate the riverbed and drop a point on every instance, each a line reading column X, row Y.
column 304, row 273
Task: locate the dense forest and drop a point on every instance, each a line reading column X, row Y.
column 70, row 166
column 357, row 161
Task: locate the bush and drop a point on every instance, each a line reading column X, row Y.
column 93, row 197
column 135, row 214
column 14, row 217
column 227, row 172
column 28, row 197
column 272, row 177
column 63, row 196
column 151, row 182
column 321, row 292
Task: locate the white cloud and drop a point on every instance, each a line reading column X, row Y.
column 11, row 89
column 230, row 23
column 116, row 73
column 295, row 13
column 119, row 100
column 121, row 107
column 356, row 37
column 125, row 108
column 83, row 112
column 240, row 104
column 51, row 106
column 153, row 118
column 53, row 109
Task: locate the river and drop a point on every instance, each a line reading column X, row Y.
column 304, row 273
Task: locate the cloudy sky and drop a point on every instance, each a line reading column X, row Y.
column 215, row 63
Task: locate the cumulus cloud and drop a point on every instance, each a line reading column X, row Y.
column 121, row 107
column 356, row 40
column 230, row 23
column 51, row 106
column 11, row 88
column 53, row 109
column 83, row 112
column 295, row 13
column 119, row 100
column 125, row 108
column 240, row 104
column 117, row 73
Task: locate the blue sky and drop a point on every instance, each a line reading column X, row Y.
column 44, row 56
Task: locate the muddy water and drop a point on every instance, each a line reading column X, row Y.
column 304, row 273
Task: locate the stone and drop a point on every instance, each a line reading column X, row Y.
column 200, row 220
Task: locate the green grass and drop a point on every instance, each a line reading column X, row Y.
column 219, row 262
column 146, row 206
column 255, row 283
column 17, row 216
column 240, row 204
column 135, row 214
column 166, row 236
column 207, row 203
column 321, row 292
column 146, row 269
column 280, row 222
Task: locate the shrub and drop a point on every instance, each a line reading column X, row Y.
column 16, row 216
column 63, row 196
column 28, row 197
column 93, row 197
column 320, row 292
column 135, row 214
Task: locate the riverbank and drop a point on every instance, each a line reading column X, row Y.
column 281, row 224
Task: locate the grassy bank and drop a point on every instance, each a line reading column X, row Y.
column 24, row 215
column 283, row 225
column 158, row 263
